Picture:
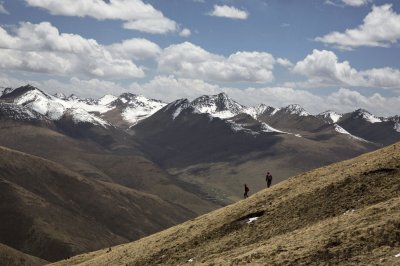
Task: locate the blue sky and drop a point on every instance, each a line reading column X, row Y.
column 322, row 54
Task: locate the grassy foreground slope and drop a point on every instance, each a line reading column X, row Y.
column 345, row 213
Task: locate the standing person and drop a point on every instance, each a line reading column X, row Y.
column 246, row 190
column 268, row 178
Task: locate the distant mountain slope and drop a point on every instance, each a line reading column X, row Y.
column 345, row 213
column 107, row 155
column 219, row 155
column 51, row 212
column 365, row 125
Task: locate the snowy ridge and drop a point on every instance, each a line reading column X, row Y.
column 135, row 107
column 219, row 105
column 295, row 109
column 42, row 103
column 19, row 112
column 237, row 128
column 331, row 116
column 267, row 128
column 341, row 130
column 177, row 107
column 258, row 110
column 397, row 127
column 6, row 90
column 81, row 116
column 396, row 122
column 367, row 116
column 106, row 99
column 138, row 107
column 54, row 107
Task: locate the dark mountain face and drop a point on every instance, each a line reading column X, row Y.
column 180, row 135
column 292, row 122
column 361, row 123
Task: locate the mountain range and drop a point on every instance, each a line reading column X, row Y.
column 123, row 167
column 126, row 110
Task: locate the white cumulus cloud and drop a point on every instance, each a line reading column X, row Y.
column 137, row 48
column 185, row 33
column 355, row 2
column 380, row 28
column 42, row 48
column 154, row 25
column 324, row 69
column 228, row 12
column 136, row 14
column 190, row 61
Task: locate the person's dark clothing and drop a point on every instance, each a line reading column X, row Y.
column 246, row 191
column 268, row 178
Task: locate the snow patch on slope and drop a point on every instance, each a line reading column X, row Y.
column 42, row 103
column 267, row 128
column 81, row 116
column 107, row 99
column 237, row 128
column 139, row 108
column 397, row 127
column 177, row 107
column 256, row 111
column 333, row 116
column 220, row 106
column 341, row 130
column 19, row 112
column 367, row 116
column 295, row 109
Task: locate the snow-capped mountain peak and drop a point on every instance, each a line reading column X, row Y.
column 50, row 106
column 73, row 97
column 330, row 116
column 260, row 109
column 106, row 99
column 60, row 95
column 176, row 107
column 137, row 107
column 295, row 109
column 219, row 105
column 367, row 116
column 82, row 116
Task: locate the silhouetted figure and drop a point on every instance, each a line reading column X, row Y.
column 268, row 178
column 246, row 190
